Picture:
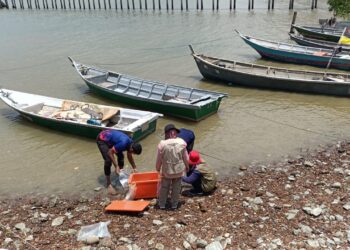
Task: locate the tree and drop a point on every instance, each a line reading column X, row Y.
column 340, row 7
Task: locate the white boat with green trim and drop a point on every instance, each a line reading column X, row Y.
column 86, row 119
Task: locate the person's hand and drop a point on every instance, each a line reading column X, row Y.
column 117, row 171
column 134, row 170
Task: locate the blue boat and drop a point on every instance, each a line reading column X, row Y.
column 292, row 53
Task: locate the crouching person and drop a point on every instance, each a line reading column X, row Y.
column 172, row 163
column 200, row 176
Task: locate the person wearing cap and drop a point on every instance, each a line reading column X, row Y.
column 111, row 142
column 200, row 176
column 188, row 136
column 172, row 163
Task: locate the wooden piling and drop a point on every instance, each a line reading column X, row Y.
column 230, row 4
column 109, row 4
column 212, row 5
column 217, row 4
column 273, row 4
column 79, row 4
column 172, row 4
column 73, row 4
column 293, row 21
column 160, row 7
column 154, row 4
column 27, row 3
column 104, row 4
column 234, row 4
column 140, row 5
column 127, row 4
column 248, row 4
column 88, row 4
column 182, row 7
column 146, row 7
column 315, row 4
column 197, row 5
column 167, row 4
column 312, row 4
column 186, row 4
column 56, row 4
column 133, row 4
column 201, row 4
column 121, row 4
column 69, row 5
column 115, row 3
column 99, row 4
column 252, row 4
column 64, row 4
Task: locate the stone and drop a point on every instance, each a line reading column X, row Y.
column 229, row 192
column 150, row 242
column 347, row 206
column 258, row 201
column 126, row 226
column 57, row 221
column 305, row 229
column 20, row 226
column 308, row 164
column 125, row 240
column 186, row 245
column 291, row 214
column 216, row 245
column 97, row 189
column 29, row 238
column 336, row 185
column 92, row 239
column 338, row 217
column 157, row 222
column 242, row 168
column 7, row 241
column 69, row 215
column 191, row 238
column 72, row 231
column 291, row 178
column 313, row 243
column 159, row 246
column 316, row 211
column 200, row 243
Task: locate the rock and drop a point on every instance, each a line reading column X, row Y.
column 20, row 226
column 186, row 245
column 159, row 246
column 82, row 209
column 287, row 186
column 258, row 201
column 69, row 215
column 153, row 202
column 29, row 238
column 57, row 221
column 85, row 248
column 305, row 229
column 53, row 202
column 313, row 243
column 97, row 189
column 157, row 222
column 308, row 164
column 191, row 238
column 291, row 178
column 214, row 246
column 229, row 192
column 125, row 240
column 200, row 243
column 92, row 239
column 338, row 217
column 317, row 211
column 336, row 185
column 126, row 226
column 150, row 242
column 291, row 214
column 243, row 168
column 347, row 206
column 348, row 236
column 7, row 242
column 72, row 231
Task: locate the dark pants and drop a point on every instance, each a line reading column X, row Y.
column 189, row 146
column 197, row 187
column 104, row 148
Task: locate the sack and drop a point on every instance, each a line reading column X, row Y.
column 208, row 182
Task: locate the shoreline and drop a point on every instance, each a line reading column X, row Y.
column 301, row 202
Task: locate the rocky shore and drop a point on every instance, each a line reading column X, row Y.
column 299, row 203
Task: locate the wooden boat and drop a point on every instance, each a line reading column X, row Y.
column 328, row 34
column 188, row 103
column 311, row 42
column 259, row 76
column 292, row 53
column 80, row 118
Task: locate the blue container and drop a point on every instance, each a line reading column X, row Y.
column 94, row 122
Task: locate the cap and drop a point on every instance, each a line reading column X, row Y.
column 194, row 158
column 169, row 127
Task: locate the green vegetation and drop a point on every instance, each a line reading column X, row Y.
column 340, row 8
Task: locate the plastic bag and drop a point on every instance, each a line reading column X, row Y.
column 131, row 193
column 123, row 179
column 99, row 229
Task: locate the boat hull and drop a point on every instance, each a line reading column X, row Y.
column 84, row 130
column 193, row 113
column 233, row 78
column 315, row 34
column 299, row 58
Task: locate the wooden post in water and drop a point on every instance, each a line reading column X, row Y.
column 167, row 4
column 160, row 7
column 172, row 4
column 154, row 4
column 182, row 7
column 146, row 5
column 186, row 4
column 201, row 4
column 133, row 4
column 64, row 4
column 56, row 4
column 109, row 4
column 99, row 4
column 252, row 4
column 73, row 4
column 212, row 4
column 88, row 4
column 234, row 4
column 115, row 3
column 140, row 5
column 105, row 5
column 217, row 4
column 127, row 4
column 248, row 4
column 312, row 4
column 79, row 4
column 293, row 21
column 121, row 4
column 315, row 4
column 273, row 4
column 230, row 4
column 197, row 5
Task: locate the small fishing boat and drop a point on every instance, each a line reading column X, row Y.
column 327, row 34
column 292, row 53
column 259, row 76
column 311, row 42
column 188, row 103
column 86, row 119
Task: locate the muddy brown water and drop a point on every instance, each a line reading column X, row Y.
column 251, row 126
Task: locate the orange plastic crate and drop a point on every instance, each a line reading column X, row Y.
column 145, row 184
column 127, row 206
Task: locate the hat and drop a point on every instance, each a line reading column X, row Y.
column 169, row 127
column 195, row 158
